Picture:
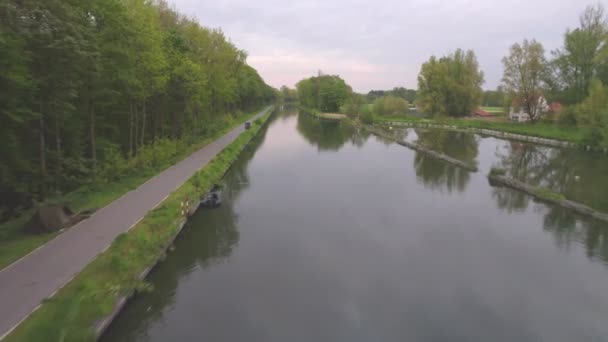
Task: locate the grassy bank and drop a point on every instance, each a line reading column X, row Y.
column 540, row 129
column 14, row 244
column 434, row 154
column 498, row 177
column 543, row 193
column 71, row 314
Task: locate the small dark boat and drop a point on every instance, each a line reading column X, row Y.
column 213, row 199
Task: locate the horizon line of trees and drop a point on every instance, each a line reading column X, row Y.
column 576, row 76
column 89, row 86
column 408, row 95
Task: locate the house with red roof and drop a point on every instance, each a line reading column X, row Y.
column 555, row 107
column 482, row 113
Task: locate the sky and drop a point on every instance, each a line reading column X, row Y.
column 380, row 44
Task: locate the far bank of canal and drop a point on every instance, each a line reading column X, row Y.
column 329, row 234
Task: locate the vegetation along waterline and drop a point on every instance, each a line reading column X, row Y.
column 575, row 135
column 73, row 312
column 494, row 131
column 130, row 173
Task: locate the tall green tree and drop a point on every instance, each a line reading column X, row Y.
column 92, row 90
column 326, row 93
column 288, row 95
column 525, row 74
column 583, row 56
column 451, row 85
column 390, row 105
column 593, row 113
column 493, row 98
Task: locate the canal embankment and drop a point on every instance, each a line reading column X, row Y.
column 422, row 149
column 484, row 131
column 86, row 305
column 497, row 177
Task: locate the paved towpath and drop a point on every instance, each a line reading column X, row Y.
column 27, row 282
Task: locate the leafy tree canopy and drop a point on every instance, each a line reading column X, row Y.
column 451, row 85
column 326, row 93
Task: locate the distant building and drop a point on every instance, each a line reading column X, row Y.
column 481, row 112
column 555, row 107
column 518, row 110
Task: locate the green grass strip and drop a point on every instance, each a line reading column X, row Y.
column 548, row 194
column 71, row 314
column 539, row 129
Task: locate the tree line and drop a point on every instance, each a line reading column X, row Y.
column 89, row 84
column 574, row 75
column 408, row 95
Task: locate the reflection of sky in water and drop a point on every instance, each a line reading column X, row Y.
column 285, row 141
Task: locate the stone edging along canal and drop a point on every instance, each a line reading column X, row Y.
column 496, row 179
column 546, row 196
column 434, row 154
column 490, row 132
column 102, row 325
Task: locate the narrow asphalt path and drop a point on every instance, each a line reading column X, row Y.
column 27, row 282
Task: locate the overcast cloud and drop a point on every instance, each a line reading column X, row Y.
column 380, row 44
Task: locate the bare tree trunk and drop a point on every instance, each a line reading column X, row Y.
column 173, row 124
column 58, row 145
column 92, row 135
column 154, row 118
column 135, row 128
column 194, row 121
column 143, row 123
column 42, row 152
column 130, row 129
column 161, row 117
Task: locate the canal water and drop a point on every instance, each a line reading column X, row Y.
column 329, row 234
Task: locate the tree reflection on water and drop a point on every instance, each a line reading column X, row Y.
column 440, row 175
column 209, row 238
column 577, row 175
column 329, row 135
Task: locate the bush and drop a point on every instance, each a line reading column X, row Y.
column 567, row 117
column 593, row 111
column 594, row 138
column 114, row 163
column 390, row 105
column 353, row 106
column 548, row 194
column 367, row 117
column 494, row 171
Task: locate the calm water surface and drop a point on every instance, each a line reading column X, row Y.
column 329, row 234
